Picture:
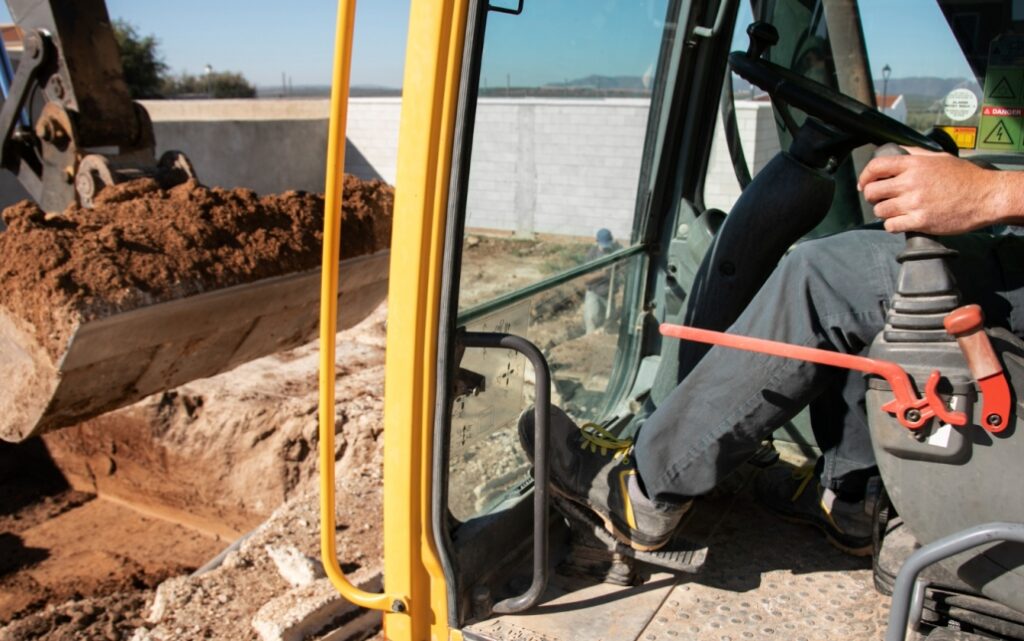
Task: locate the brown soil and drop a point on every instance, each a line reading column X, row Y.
column 220, row 456
column 143, row 244
column 58, row 544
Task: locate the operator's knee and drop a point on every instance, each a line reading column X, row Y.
column 803, row 265
column 854, row 264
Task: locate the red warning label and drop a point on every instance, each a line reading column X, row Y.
column 1002, row 111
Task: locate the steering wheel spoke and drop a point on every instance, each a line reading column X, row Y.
column 789, row 89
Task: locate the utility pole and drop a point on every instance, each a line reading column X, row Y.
column 886, row 72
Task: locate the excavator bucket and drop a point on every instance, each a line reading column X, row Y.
column 130, row 277
column 116, row 360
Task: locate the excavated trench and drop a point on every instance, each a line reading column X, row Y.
column 95, row 516
column 103, row 523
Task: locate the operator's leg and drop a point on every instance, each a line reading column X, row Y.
column 840, row 425
column 830, row 293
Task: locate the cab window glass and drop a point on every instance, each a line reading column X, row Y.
column 549, row 254
column 941, row 64
column 564, row 96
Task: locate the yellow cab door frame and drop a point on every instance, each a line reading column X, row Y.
column 414, row 601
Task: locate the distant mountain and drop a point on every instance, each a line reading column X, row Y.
column 593, row 81
column 925, row 87
column 928, row 88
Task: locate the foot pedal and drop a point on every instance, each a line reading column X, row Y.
column 678, row 555
column 591, row 559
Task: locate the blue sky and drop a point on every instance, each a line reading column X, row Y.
column 264, row 39
column 911, row 36
column 558, row 40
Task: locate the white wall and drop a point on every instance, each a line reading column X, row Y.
column 539, row 165
column 556, row 166
column 760, row 141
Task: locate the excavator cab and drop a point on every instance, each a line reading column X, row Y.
column 555, row 125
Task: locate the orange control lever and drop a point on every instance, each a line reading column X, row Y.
column 966, row 324
column 913, row 412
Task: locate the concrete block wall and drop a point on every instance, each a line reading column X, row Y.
column 539, row 165
column 556, row 166
column 756, row 125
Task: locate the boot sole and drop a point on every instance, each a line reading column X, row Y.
column 860, row 551
column 610, row 525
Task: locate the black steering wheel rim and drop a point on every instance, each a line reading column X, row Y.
column 850, row 116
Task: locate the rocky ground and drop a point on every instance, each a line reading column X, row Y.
column 264, row 408
column 142, row 497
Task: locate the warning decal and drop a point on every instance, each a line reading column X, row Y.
column 1000, row 135
column 1002, row 112
column 965, row 137
column 1002, row 90
column 1001, row 124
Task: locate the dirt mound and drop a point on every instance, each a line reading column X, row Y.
column 109, row 618
column 223, row 451
column 226, row 451
column 142, row 245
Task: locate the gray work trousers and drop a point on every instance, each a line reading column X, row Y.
column 830, row 293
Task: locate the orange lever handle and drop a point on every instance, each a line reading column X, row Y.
column 967, row 325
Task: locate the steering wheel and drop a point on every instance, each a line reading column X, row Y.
column 862, row 123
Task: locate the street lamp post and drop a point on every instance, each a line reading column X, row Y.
column 208, row 70
column 886, row 72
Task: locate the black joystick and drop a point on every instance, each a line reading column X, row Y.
column 762, row 36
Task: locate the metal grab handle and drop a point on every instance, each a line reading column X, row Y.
column 541, row 438
column 329, row 319
column 716, row 26
column 908, row 592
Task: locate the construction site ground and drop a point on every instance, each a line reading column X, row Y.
column 193, row 515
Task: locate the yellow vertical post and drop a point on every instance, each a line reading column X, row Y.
column 430, row 93
column 416, row 599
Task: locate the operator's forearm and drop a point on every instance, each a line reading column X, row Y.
column 1006, row 197
column 941, row 194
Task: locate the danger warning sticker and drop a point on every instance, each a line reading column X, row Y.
column 965, row 137
column 1002, row 113
column 1000, row 134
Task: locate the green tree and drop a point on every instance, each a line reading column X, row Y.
column 216, row 84
column 144, row 69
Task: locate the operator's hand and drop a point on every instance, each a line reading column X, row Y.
column 940, row 194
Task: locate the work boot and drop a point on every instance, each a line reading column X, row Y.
column 795, row 494
column 594, row 469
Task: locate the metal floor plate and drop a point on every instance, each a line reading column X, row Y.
column 764, row 578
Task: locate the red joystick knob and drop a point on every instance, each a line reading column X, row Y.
column 964, row 319
column 967, row 325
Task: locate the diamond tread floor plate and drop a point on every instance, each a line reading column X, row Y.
column 764, row 578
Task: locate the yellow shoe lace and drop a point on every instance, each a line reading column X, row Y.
column 598, row 439
column 804, row 474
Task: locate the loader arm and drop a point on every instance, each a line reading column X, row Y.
column 70, row 87
column 68, row 129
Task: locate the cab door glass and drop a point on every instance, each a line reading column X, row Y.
column 926, row 62
column 564, row 96
column 549, row 252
